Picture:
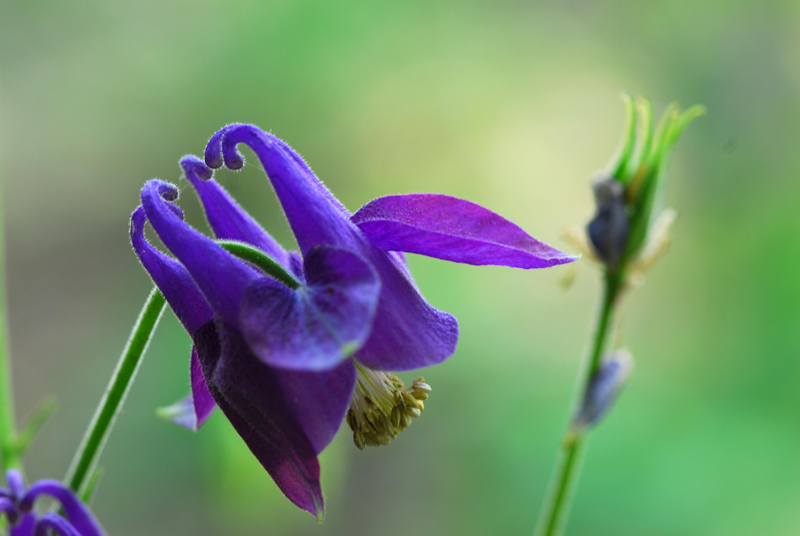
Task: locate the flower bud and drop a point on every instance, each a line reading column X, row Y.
column 608, row 230
column 603, row 389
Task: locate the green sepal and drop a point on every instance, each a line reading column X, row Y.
column 620, row 163
column 647, row 189
column 644, row 143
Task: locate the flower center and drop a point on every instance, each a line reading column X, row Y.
column 381, row 407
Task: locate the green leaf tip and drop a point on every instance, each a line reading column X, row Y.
column 646, row 185
column 628, row 144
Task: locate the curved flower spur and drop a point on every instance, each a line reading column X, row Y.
column 289, row 344
column 17, row 505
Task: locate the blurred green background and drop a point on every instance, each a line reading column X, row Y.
column 510, row 104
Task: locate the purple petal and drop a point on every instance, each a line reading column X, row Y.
column 57, row 524
column 407, row 332
column 16, row 483
column 181, row 413
column 25, row 526
column 171, row 278
column 214, row 158
column 315, row 216
column 9, row 508
column 318, row 326
column 202, row 400
column 296, row 265
column 452, row 229
column 221, row 277
column 77, row 513
column 227, row 219
column 192, row 411
column 252, row 398
column 319, row 400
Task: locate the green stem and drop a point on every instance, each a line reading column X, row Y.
column 556, row 507
column 95, row 438
column 261, row 260
column 9, row 450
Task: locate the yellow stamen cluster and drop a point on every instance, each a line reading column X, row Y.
column 381, row 407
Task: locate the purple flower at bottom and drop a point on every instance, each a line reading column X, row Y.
column 17, row 504
column 287, row 363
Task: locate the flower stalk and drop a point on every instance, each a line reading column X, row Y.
column 85, row 459
column 556, row 506
column 10, row 457
column 627, row 234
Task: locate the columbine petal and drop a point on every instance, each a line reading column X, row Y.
column 317, row 326
column 189, row 305
column 16, row 483
column 251, row 396
column 171, row 278
column 25, row 526
column 192, row 411
column 7, row 506
column 452, row 229
column 181, row 413
column 227, row 219
column 296, row 265
column 57, row 524
column 319, row 399
column 407, row 333
column 202, row 401
column 221, row 277
column 77, row 513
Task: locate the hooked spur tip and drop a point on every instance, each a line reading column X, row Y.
column 216, row 155
column 193, row 166
column 163, row 189
column 213, row 152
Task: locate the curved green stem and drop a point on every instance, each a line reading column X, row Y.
column 261, row 260
column 95, row 438
column 556, row 507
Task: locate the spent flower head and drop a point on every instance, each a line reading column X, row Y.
column 630, row 229
column 289, row 344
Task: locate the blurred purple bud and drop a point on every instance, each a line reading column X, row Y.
column 608, row 230
column 603, row 389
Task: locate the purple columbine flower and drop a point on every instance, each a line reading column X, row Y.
column 17, row 503
column 287, row 361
